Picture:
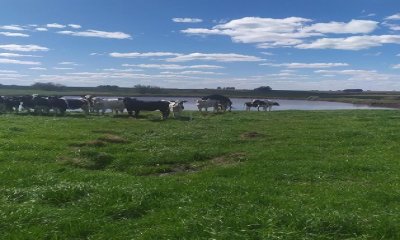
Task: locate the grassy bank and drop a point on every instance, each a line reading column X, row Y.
column 239, row 175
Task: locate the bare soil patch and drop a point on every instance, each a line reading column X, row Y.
column 251, row 135
column 111, row 138
column 226, row 160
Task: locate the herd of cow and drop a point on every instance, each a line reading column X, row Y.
column 88, row 103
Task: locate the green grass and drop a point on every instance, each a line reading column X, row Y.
column 239, row 175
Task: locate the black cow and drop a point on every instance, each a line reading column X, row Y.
column 58, row 104
column 225, row 102
column 134, row 105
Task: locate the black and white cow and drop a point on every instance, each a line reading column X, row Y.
column 267, row 104
column 9, row 104
column 39, row 104
column 134, row 105
column 224, row 102
column 249, row 105
column 27, row 102
column 59, row 105
column 176, row 107
column 74, row 104
column 101, row 104
column 207, row 103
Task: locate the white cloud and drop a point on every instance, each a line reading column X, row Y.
column 352, row 27
column 12, row 34
column 99, row 34
column 376, row 54
column 391, row 26
column 76, row 26
column 97, row 54
column 187, row 20
column 267, row 53
column 351, row 43
column 12, row 27
column 397, row 66
column 306, row 65
column 360, row 75
column 38, row 68
column 393, row 17
column 193, row 73
column 122, row 70
column 13, row 61
column 11, row 75
column 63, row 68
column 259, row 30
column 7, row 71
column 173, row 66
column 285, row 32
column 200, row 73
column 68, row 63
column 23, row 48
column 41, row 29
column 11, row 55
column 55, row 25
column 147, row 54
column 219, row 57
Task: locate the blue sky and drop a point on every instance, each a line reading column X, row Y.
column 286, row 44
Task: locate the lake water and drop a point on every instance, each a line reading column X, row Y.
column 238, row 104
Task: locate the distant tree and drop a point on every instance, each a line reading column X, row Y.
column 219, row 88
column 143, row 89
column 108, row 87
column 357, row 90
column 229, row 88
column 263, row 89
column 49, row 86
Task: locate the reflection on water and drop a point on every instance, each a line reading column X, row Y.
column 238, row 104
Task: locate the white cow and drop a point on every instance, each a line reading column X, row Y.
column 176, row 107
column 101, row 104
column 207, row 104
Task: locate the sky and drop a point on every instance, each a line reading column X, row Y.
column 285, row 44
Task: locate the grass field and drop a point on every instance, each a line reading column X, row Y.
column 239, row 175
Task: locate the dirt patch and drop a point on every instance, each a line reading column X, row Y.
column 182, row 168
column 101, row 141
column 111, row 138
column 94, row 143
column 229, row 159
column 226, row 160
column 105, row 131
column 251, row 135
column 91, row 161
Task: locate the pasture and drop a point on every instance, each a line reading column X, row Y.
column 237, row 175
